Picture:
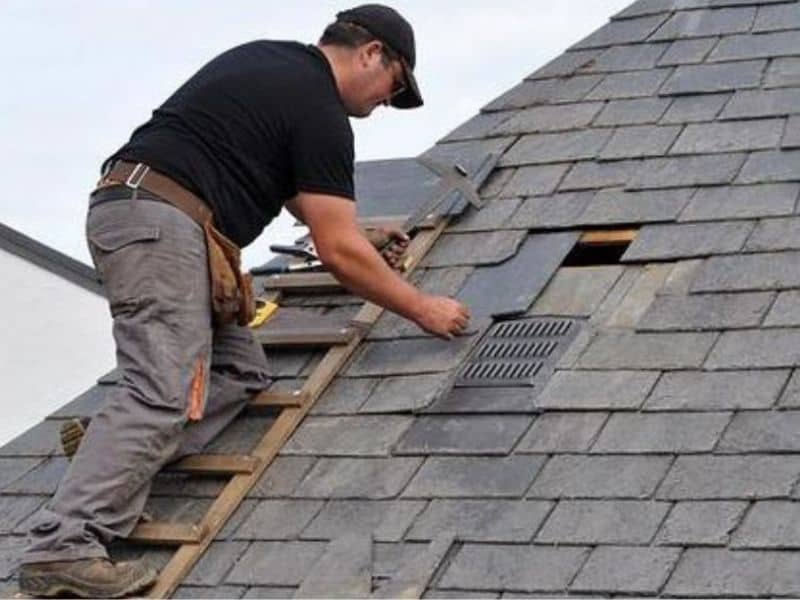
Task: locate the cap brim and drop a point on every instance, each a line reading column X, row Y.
column 410, row 97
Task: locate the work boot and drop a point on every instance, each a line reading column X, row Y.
column 72, row 433
column 85, row 578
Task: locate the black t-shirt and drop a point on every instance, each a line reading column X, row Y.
column 248, row 131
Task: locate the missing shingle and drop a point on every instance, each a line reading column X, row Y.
column 600, row 247
column 518, row 352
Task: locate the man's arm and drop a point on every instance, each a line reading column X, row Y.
column 345, row 251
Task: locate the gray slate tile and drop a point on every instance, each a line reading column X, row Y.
column 632, row 84
column 41, row 440
column 687, row 171
column 473, row 434
column 597, row 390
column 224, row 591
column 628, row 300
column 765, row 45
column 481, row 520
column 367, row 478
column 282, row 476
column 595, row 174
column 785, row 312
column 628, row 570
column 389, row 559
column 695, row 109
column 687, row 240
column 609, row 207
column 783, row 72
column 456, row 595
column 266, row 591
column 729, row 136
column 413, row 393
column 344, row 396
column 516, row 568
column 462, row 400
column 791, row 395
column 639, row 141
column 521, row 283
column 31, row 475
column 415, row 576
column 536, row 180
column 347, row 436
column 700, row 312
column 673, row 433
column 621, row 32
column 638, row 111
column 701, row 523
column 84, row 405
column 278, row 520
column 385, row 521
column 576, row 291
column 473, row 248
column 559, row 432
column 704, row 23
column 565, row 64
column 15, row 510
column 647, row 351
column 548, row 91
column 742, row 202
column 709, row 390
column 603, row 522
column 706, row 78
column 770, row 524
column 782, row 16
column 768, row 166
column 631, row 57
column 680, row 277
column 730, row 477
column 568, row 476
column 469, row 154
column 10, row 549
column 410, row 356
column 767, row 271
column 276, row 563
column 478, row 127
column 547, row 118
column 762, row 431
column 749, row 104
column 344, row 571
column 542, row 148
column 687, row 51
column 464, row 477
column 559, row 210
column 791, row 139
column 215, row 563
column 703, row 572
column 492, row 216
column 756, row 349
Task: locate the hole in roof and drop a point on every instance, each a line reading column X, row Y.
column 600, row 247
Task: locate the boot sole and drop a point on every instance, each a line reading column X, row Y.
column 42, row 586
column 72, row 433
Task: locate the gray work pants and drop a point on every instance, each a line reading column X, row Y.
column 152, row 259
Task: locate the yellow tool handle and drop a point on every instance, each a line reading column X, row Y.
column 264, row 311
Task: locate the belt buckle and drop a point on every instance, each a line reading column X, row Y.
column 137, row 175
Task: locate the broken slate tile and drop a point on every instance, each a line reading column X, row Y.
column 687, row 51
column 748, row 104
column 770, row 524
column 762, row 431
column 519, row 283
column 542, row 148
column 603, row 522
column 769, row 166
column 559, row 210
column 626, row 570
column 673, row 433
column 473, row 248
column 700, row 523
column 700, row 312
column 687, row 171
column 622, row 32
column 752, row 349
column 576, row 291
column 513, row 567
column 385, row 521
column 416, row 574
column 680, row 278
column 704, row 23
column 687, row 240
column 706, row 79
column 478, row 127
column 473, row 434
column 486, row 400
column 547, row 91
column 742, row 202
column 597, row 390
column 410, row 356
column 569, row 476
column 631, row 57
column 564, row 64
column 276, row 563
column 491, row 217
column 695, row 109
column 282, row 476
column 730, row 477
column 610, row 207
column 369, row 478
column 767, row 271
column 406, row 394
column 461, row 476
column 639, row 141
column 343, row 571
column 633, row 84
column 559, row 432
column 470, row 154
column 708, row 390
column 638, row 111
column 344, row 396
column 666, row 351
column 360, row 435
column 729, row 136
column 537, row 180
column 215, row 563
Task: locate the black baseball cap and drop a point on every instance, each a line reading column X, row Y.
column 392, row 29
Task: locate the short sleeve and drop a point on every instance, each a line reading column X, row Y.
column 322, row 152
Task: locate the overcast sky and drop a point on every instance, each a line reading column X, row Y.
column 78, row 76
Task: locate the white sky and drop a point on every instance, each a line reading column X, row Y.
column 78, row 76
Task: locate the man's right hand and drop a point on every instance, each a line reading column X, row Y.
column 442, row 316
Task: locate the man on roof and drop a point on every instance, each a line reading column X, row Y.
column 261, row 127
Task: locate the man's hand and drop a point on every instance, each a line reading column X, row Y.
column 442, row 316
column 391, row 243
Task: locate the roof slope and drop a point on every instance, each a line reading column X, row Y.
column 661, row 459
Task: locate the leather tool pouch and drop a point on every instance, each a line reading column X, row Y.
column 232, row 297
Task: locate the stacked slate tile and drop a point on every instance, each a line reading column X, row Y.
column 659, row 457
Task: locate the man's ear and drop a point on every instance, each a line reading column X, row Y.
column 370, row 52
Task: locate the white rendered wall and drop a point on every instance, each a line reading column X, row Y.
column 55, row 341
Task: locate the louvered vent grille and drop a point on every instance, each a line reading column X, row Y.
column 520, row 352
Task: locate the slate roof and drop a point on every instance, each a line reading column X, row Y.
column 662, row 457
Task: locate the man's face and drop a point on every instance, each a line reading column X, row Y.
column 374, row 81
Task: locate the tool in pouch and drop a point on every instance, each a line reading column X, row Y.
column 455, row 183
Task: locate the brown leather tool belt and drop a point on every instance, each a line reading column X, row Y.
column 232, row 297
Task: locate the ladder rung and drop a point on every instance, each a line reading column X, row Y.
column 166, row 534
column 215, row 464
column 306, row 336
column 279, row 399
column 302, row 282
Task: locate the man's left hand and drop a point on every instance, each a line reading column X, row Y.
column 392, row 244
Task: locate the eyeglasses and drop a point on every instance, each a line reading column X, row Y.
column 399, row 86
